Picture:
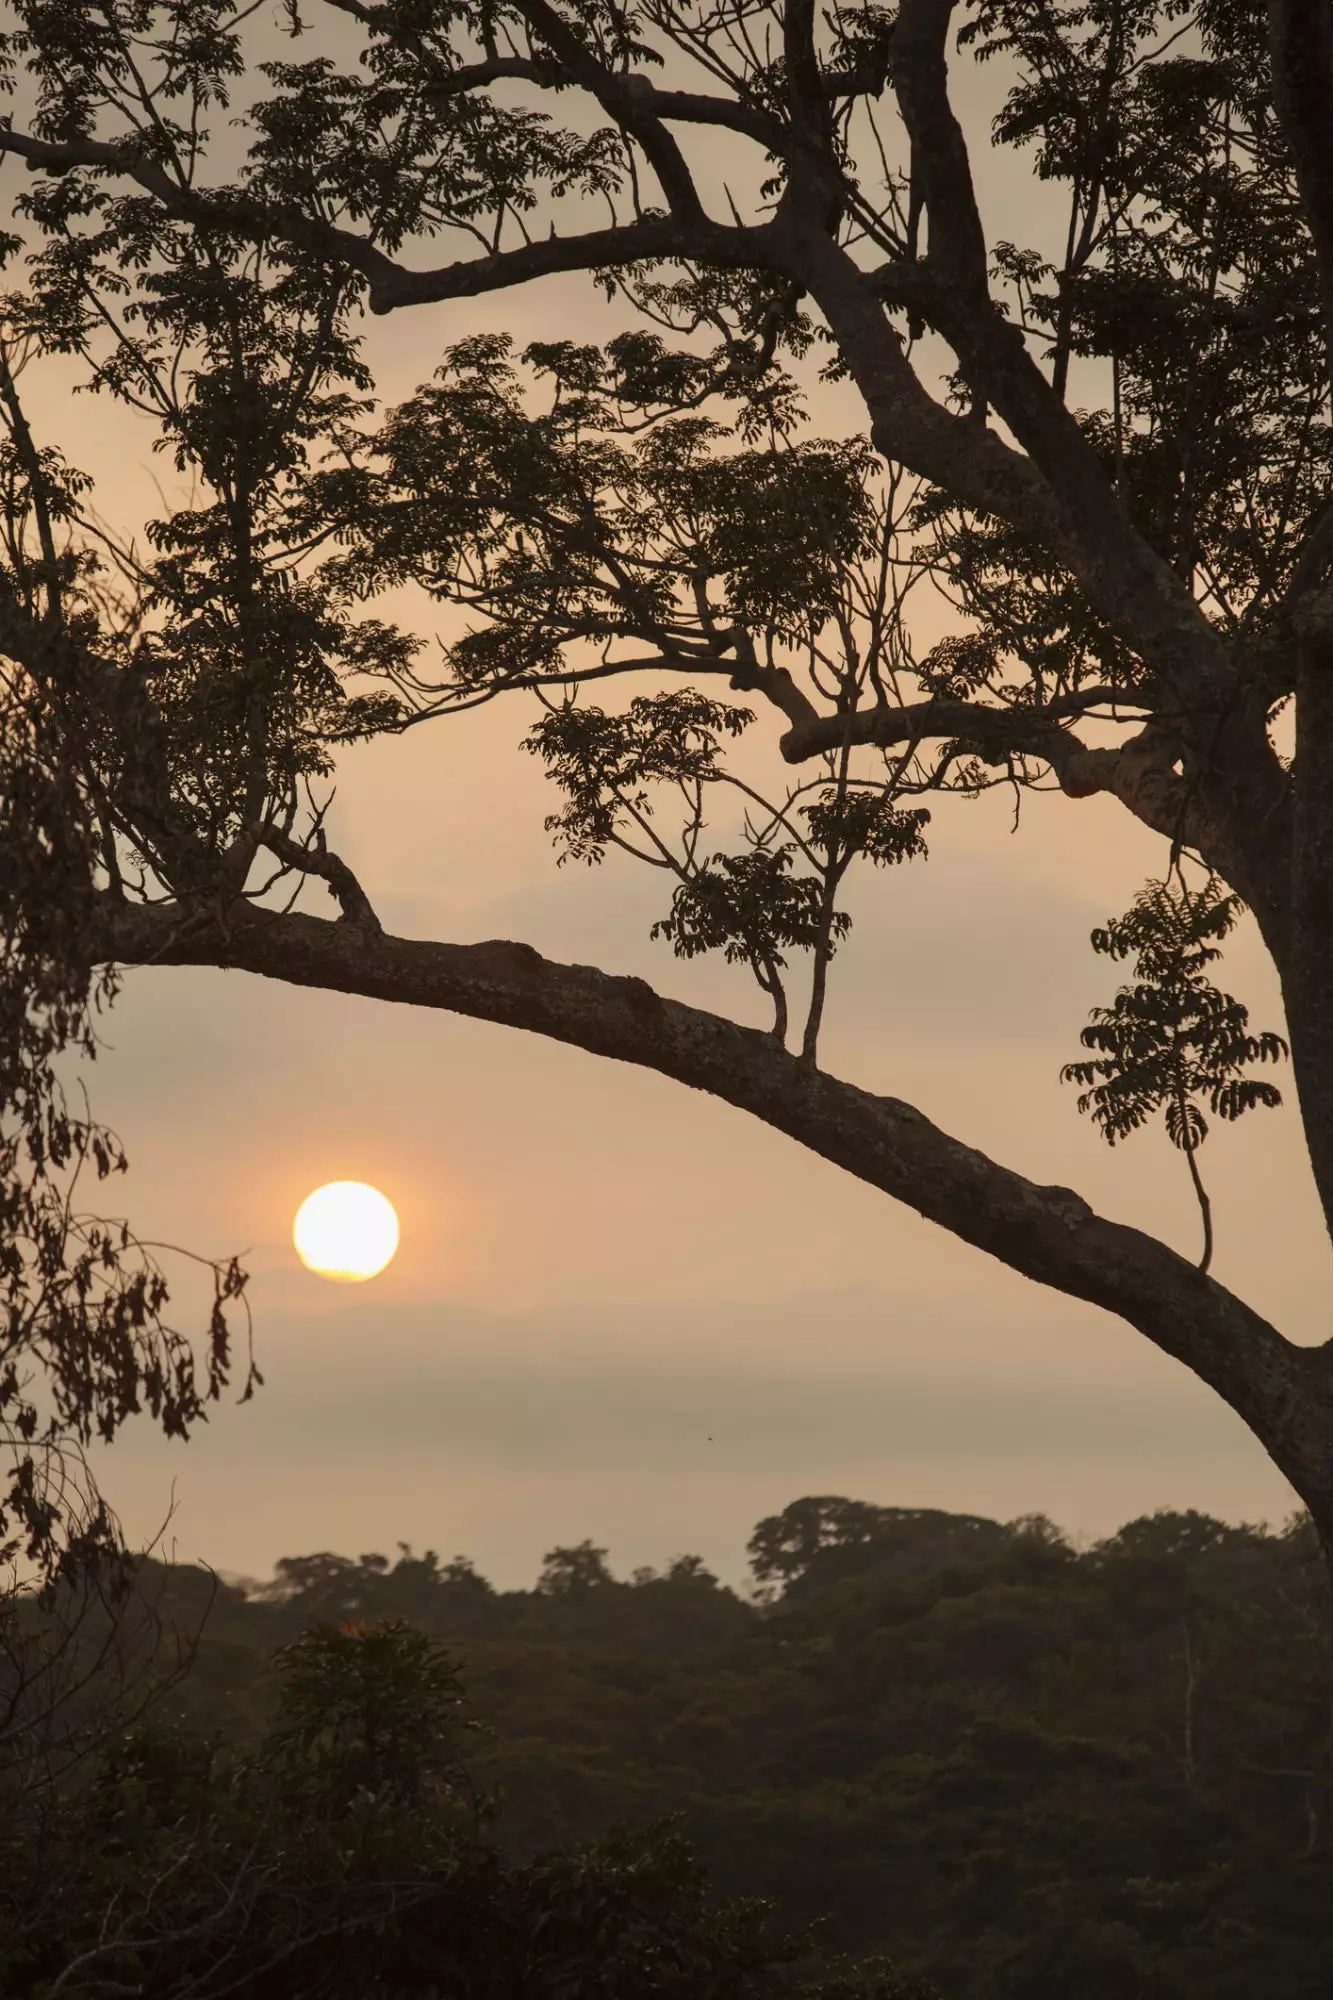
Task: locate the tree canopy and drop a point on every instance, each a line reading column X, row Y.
column 1017, row 1768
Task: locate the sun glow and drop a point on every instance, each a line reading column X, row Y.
column 346, row 1231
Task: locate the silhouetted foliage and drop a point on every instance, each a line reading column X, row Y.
column 1173, row 1037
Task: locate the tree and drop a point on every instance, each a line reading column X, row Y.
column 1116, row 458
column 822, row 1538
column 566, row 1572
column 368, row 1709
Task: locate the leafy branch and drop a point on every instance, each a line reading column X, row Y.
column 1173, row 1038
column 754, row 907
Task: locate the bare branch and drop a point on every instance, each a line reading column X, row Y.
column 1140, row 773
column 1037, row 732
column 316, row 860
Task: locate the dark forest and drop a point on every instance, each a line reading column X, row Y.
column 983, row 1762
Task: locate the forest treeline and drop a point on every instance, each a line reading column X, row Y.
column 1023, row 1771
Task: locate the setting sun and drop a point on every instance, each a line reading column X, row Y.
column 346, row 1231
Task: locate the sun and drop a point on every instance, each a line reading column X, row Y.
column 346, row 1231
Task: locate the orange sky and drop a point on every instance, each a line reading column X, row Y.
column 621, row 1310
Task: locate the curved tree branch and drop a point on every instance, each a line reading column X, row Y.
column 392, row 285
column 316, row 859
column 622, row 98
column 1049, row 1234
column 1037, row 732
column 1141, row 773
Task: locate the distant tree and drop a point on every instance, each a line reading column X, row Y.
column 1166, row 1534
column 372, row 1710
column 830, row 1537
column 784, row 1545
column 324, row 1587
column 327, row 1588
column 582, row 1567
column 690, row 1570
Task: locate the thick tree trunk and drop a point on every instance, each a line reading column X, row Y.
column 1308, row 972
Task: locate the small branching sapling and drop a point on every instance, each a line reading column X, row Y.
column 1173, row 1039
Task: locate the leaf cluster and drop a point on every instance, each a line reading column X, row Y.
column 558, row 528
column 1173, row 1037
column 607, row 765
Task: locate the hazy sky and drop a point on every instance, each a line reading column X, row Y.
column 623, row 1310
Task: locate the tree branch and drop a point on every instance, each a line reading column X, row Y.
column 392, row 285
column 623, row 99
column 595, row 249
column 918, row 68
column 750, row 675
column 218, row 209
column 1312, row 565
column 690, row 107
column 1123, row 575
column 807, row 100
column 1049, row 1234
column 1037, row 732
column 1244, row 846
column 1308, row 975
column 351, row 897
column 1140, row 772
